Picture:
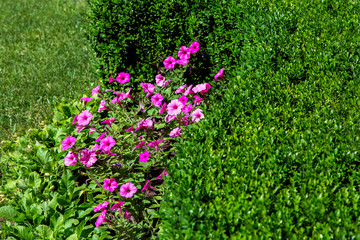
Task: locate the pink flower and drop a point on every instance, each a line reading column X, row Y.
column 84, row 118
column 188, row 91
column 182, row 62
column 197, row 115
column 123, row 78
column 102, row 106
column 175, row 132
column 144, row 124
column 162, row 109
column 110, row 184
column 199, row 88
column 100, row 137
column 146, row 186
column 126, row 214
column 130, row 129
column 70, row 159
column 184, row 53
column 174, row 107
column 86, row 99
column 169, row 62
column 107, row 143
column 96, row 147
column 148, row 87
column 109, row 121
column 194, row 47
column 118, row 205
column 141, row 137
column 180, row 89
column 160, row 80
column 164, row 173
column 68, row 142
column 155, row 144
column 101, row 207
column 127, row 190
column 142, row 144
column 187, row 109
column 111, row 80
column 144, row 156
column 166, row 83
column 79, row 128
column 87, row 158
column 197, row 100
column 183, row 99
column 96, row 90
column 157, row 99
column 220, row 74
column 101, row 219
column 75, row 119
column 168, row 118
column 92, row 130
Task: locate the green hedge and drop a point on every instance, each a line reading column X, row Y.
column 277, row 156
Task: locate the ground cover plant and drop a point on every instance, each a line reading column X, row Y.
column 44, row 57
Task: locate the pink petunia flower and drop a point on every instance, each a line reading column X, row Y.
column 88, row 157
column 141, row 144
column 140, row 137
column 168, row 118
column 183, row 99
column 70, row 159
column 148, row 87
column 86, row 99
column 184, row 53
column 199, row 88
column 110, row 184
column 92, row 130
column 127, row 190
column 96, row 90
column 126, row 214
column 118, row 206
column 188, row 90
column 123, row 78
column 162, row 109
column 101, row 207
column 146, row 186
column 101, row 219
column 109, row 121
column 144, row 124
column 160, row 80
column 79, row 128
column 220, row 74
column 194, row 47
column 197, row 115
column 68, row 142
column 75, row 119
column 155, row 144
column 187, row 109
column 166, row 83
column 111, row 80
column 96, row 147
column 169, row 62
column 100, row 137
column 130, row 129
column 197, row 100
column 174, row 107
column 175, row 132
column 182, row 62
column 157, row 99
column 164, row 173
column 107, row 143
column 180, row 89
column 144, row 156
column 102, row 106
column 84, row 117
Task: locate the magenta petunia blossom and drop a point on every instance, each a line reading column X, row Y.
column 101, row 219
column 79, row 128
column 148, row 87
column 188, row 90
column 162, row 109
column 184, row 53
column 146, row 186
column 118, row 206
column 130, row 129
column 88, row 157
column 168, row 118
column 182, row 62
column 183, row 99
column 86, row 99
column 144, row 156
column 169, row 62
column 101, row 207
column 160, row 80
column 187, row 109
column 71, row 159
column 197, row 100
column 84, row 117
column 100, row 137
column 194, row 47
column 155, row 144
column 175, row 132
column 199, row 88
column 164, row 173
column 68, row 142
column 197, row 115
column 141, row 144
column 96, row 147
column 220, row 74
column 127, row 190
column 110, row 184
column 157, row 99
column 107, row 143
column 144, row 124
column 111, row 80
column 92, row 130
column 109, row 121
column 180, row 89
column 174, row 107
column 123, row 78
column 75, row 119
column 96, row 90
column 102, row 106
column 126, row 214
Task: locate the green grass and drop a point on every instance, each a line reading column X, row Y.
column 44, row 57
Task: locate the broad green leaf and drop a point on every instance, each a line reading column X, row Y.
column 8, row 212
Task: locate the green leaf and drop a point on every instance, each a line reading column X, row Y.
column 73, row 237
column 8, row 212
column 45, row 232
